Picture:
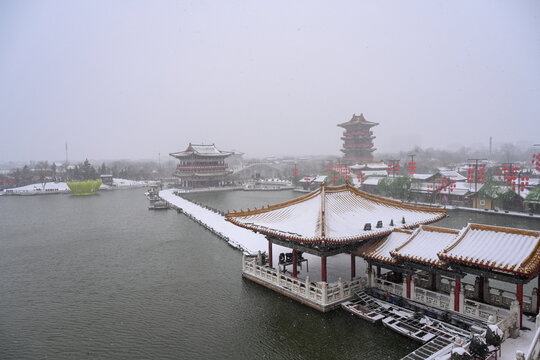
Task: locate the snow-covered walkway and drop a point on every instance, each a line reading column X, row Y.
column 245, row 240
column 250, row 243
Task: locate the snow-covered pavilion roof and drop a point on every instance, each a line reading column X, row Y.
column 424, row 244
column 509, row 250
column 334, row 214
column 201, row 150
column 380, row 250
column 358, row 119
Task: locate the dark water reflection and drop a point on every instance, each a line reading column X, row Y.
column 102, row 277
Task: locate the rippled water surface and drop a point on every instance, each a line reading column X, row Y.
column 102, row 277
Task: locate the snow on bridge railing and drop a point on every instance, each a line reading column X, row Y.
column 321, row 293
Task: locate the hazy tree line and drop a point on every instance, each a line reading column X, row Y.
column 43, row 171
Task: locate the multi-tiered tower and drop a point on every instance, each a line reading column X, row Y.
column 202, row 166
column 357, row 140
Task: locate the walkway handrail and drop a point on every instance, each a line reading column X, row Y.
column 321, row 293
column 534, row 349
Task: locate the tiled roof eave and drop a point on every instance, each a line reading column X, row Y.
column 527, row 271
column 318, row 239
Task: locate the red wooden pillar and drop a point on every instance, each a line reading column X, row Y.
column 481, row 288
column 294, row 263
column 269, row 253
column 323, row 268
column 519, row 298
column 353, row 266
column 433, row 281
column 456, row 294
column 409, row 277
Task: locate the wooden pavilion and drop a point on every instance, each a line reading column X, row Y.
column 445, row 256
column 326, row 222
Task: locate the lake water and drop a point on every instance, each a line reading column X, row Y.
column 102, row 277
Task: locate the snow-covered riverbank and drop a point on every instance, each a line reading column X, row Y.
column 62, row 188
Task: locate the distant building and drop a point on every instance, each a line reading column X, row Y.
column 107, row 179
column 357, row 140
column 202, row 166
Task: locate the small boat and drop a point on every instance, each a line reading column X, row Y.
column 361, row 311
column 411, row 331
column 158, row 205
column 156, row 202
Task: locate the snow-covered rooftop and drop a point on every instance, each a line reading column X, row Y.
column 371, row 166
column 201, row 150
column 334, row 215
column 453, row 175
column 380, row 251
column 504, row 249
column 424, row 245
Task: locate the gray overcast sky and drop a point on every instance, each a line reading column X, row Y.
column 131, row 79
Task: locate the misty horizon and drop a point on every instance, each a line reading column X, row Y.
column 123, row 80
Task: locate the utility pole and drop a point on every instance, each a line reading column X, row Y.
column 476, row 174
column 411, row 166
column 394, row 162
column 490, row 147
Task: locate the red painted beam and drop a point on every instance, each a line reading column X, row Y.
column 519, row 298
column 456, row 295
column 353, row 266
column 323, row 268
column 270, row 253
column 294, row 263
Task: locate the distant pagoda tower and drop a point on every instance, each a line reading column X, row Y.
column 202, row 166
column 357, row 140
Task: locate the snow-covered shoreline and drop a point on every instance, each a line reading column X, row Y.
column 62, row 188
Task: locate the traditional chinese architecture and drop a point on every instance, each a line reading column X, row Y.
column 326, row 222
column 202, row 166
column 428, row 265
column 357, row 140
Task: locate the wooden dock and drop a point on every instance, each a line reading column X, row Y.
column 437, row 336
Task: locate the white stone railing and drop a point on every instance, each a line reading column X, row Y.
column 483, row 311
column 497, row 297
column 320, row 293
column 534, row 349
column 432, row 298
column 444, row 301
column 388, row 286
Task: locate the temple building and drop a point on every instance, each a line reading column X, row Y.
column 430, row 264
column 202, row 166
column 357, row 140
column 329, row 221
